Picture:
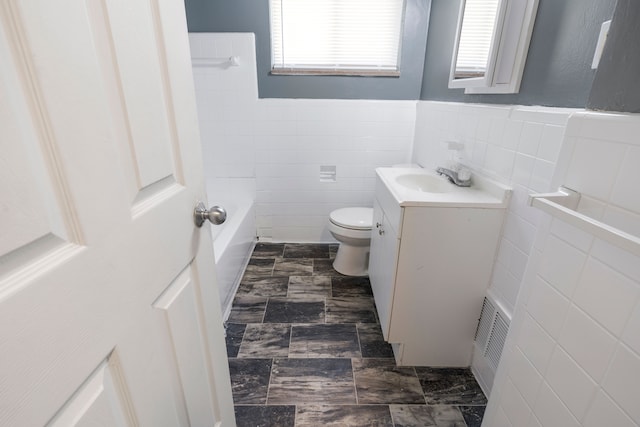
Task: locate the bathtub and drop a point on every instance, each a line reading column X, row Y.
column 233, row 243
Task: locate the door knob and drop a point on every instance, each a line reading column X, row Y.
column 216, row 214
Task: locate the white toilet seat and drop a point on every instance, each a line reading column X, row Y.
column 353, row 218
column 340, row 232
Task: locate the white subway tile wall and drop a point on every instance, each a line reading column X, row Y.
column 515, row 145
column 227, row 98
column 579, row 308
column 298, row 136
column 524, row 376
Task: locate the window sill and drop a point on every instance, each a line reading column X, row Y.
column 327, row 72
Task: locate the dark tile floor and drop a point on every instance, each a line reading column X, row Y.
column 305, row 349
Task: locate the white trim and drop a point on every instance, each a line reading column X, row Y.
column 512, row 49
column 493, row 52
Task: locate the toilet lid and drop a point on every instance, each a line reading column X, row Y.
column 354, row 218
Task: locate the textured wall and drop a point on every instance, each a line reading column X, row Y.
column 253, row 16
column 558, row 71
column 616, row 87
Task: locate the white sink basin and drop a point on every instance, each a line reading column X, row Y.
column 425, row 183
column 423, row 187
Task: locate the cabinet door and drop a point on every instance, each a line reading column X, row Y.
column 382, row 266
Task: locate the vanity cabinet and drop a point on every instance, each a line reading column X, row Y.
column 429, row 268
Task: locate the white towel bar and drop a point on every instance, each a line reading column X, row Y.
column 562, row 205
column 231, row 61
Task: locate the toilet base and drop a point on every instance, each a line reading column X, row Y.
column 352, row 260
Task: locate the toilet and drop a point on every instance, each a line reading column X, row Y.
column 352, row 228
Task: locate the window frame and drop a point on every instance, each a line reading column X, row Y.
column 490, row 65
column 509, row 49
column 328, row 71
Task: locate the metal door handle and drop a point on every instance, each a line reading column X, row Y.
column 216, row 214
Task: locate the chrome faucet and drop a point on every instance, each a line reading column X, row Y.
column 461, row 178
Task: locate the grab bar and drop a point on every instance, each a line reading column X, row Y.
column 562, row 205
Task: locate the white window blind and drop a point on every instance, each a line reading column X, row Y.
column 338, row 35
column 475, row 37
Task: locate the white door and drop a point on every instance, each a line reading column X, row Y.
column 109, row 313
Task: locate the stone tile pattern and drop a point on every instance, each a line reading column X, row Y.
column 305, row 349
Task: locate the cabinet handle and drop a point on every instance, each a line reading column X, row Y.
column 381, row 232
column 378, row 224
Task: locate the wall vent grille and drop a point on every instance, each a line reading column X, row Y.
column 486, row 319
column 492, row 332
column 496, row 340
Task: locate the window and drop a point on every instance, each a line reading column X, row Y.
column 478, row 26
column 491, row 46
column 344, row 37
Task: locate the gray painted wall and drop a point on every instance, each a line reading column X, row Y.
column 557, row 73
column 253, row 16
column 616, row 86
column 558, row 70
